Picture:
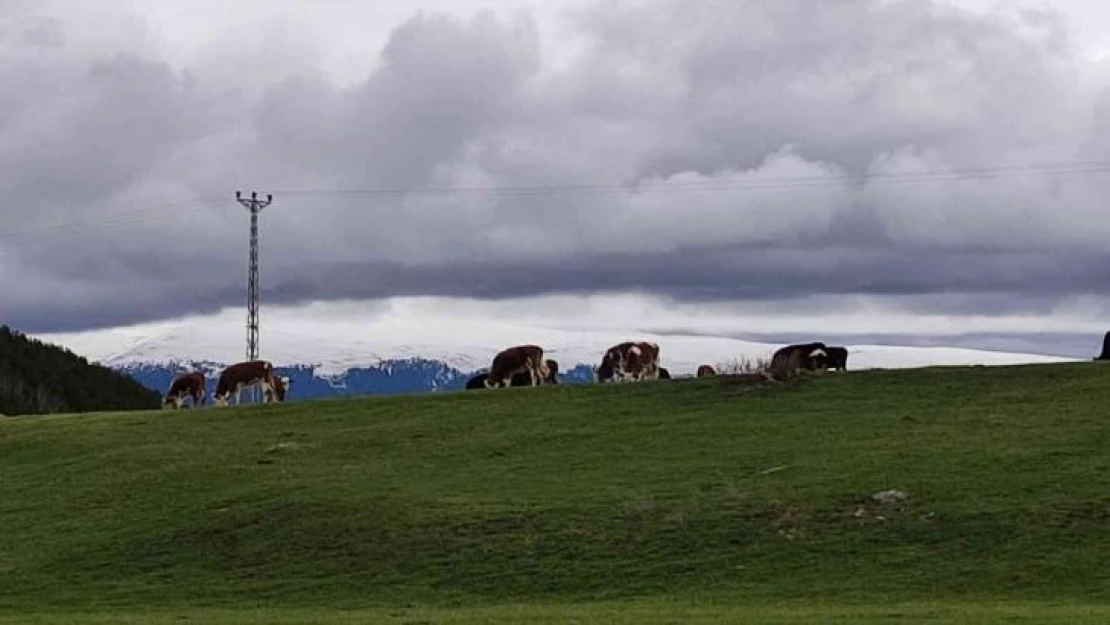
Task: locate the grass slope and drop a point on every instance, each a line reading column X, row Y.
column 681, row 499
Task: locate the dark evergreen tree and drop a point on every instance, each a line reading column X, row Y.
column 39, row 378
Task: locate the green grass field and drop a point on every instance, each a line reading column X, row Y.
column 662, row 502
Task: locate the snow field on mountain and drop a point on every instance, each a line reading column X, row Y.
column 334, row 346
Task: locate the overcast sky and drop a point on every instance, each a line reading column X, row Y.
column 745, row 154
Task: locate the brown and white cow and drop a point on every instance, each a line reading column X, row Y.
column 519, row 359
column 241, row 376
column 185, row 385
column 706, row 371
column 631, row 360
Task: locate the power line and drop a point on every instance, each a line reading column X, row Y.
column 110, row 221
column 1046, row 169
column 117, row 220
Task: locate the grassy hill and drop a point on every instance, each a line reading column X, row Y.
column 39, row 378
column 680, row 501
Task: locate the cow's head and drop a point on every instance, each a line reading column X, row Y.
column 605, row 370
column 818, row 359
column 171, row 401
column 281, row 387
column 552, row 375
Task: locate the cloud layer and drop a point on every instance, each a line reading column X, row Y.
column 697, row 150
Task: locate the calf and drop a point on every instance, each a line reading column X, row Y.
column 791, row 359
column 520, row 359
column 664, row 374
column 705, row 371
column 185, row 385
column 838, row 358
column 244, row 375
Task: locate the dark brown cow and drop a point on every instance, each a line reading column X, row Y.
column 520, row 359
column 631, row 360
column 185, row 385
column 705, row 371
column 664, row 374
column 244, row 375
column 791, row 359
column 838, row 358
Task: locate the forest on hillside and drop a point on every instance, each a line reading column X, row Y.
column 40, row 378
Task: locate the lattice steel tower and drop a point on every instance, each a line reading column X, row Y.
column 255, row 206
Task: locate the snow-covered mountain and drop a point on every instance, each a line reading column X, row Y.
column 397, row 355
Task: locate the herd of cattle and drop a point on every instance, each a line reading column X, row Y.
column 522, row 365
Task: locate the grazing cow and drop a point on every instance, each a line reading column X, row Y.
column 520, row 359
column 630, row 361
column 791, row 359
column 664, row 374
column 838, row 358
column 244, row 375
column 1105, row 355
column 705, row 371
column 185, row 385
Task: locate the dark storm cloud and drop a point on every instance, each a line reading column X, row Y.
column 706, row 107
column 1001, row 282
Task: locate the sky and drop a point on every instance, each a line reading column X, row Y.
column 764, row 160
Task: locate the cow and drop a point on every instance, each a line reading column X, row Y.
column 519, row 359
column 243, row 375
column 185, row 385
column 664, row 374
column 837, row 358
column 706, row 371
column 1105, row 355
column 789, row 360
column 518, row 379
column 629, row 361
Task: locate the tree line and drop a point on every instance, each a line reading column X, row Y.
column 40, row 378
